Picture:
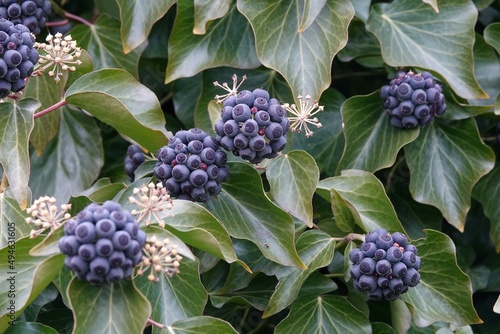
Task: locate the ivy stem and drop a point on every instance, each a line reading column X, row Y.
column 351, row 237
column 57, row 23
column 156, row 324
column 77, row 18
column 335, row 275
column 51, row 108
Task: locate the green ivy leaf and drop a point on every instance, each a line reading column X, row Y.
column 30, row 328
column 445, row 162
column 103, row 42
column 293, row 178
column 16, row 123
column 78, row 137
column 247, row 213
column 361, row 46
column 324, row 314
column 106, row 94
column 327, row 143
column 487, row 192
column 303, row 57
column 13, row 225
column 30, row 275
column 186, row 92
column 443, row 44
column 201, row 325
column 366, row 198
column 382, row 328
column 431, row 300
column 206, row 11
column 137, row 19
column 228, row 42
column 111, row 308
column 47, row 296
column 100, row 191
column 49, row 245
column 372, row 143
column 491, row 35
column 316, row 249
column 175, row 298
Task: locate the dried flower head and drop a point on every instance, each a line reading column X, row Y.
column 302, row 114
column 45, row 215
column 151, row 199
column 159, row 256
column 61, row 53
column 230, row 91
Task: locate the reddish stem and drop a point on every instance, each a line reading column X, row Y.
column 154, row 323
column 57, row 23
column 51, row 108
column 77, row 18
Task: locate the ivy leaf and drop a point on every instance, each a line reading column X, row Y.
column 13, row 225
column 103, row 42
column 228, row 42
column 16, row 123
column 316, row 249
column 30, row 276
column 201, row 325
column 138, row 19
column 491, row 35
column 366, row 198
column 324, row 314
column 110, row 308
column 303, row 57
column 372, row 143
column 206, row 11
column 47, row 296
column 175, row 298
column 445, row 162
column 106, row 94
column 247, row 213
column 431, row 300
column 293, row 178
column 443, row 44
column 30, row 328
column 487, row 192
column 78, row 137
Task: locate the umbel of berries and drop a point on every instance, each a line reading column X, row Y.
column 30, row 13
column 192, row 166
column 17, row 56
column 134, row 158
column 252, row 125
column 413, row 99
column 103, row 243
column 385, row 265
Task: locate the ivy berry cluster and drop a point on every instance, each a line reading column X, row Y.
column 103, row 243
column 252, row 125
column 413, row 100
column 30, row 13
column 385, row 265
column 134, row 158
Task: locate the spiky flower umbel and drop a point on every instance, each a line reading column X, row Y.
column 303, row 113
column 46, row 215
column 59, row 53
column 151, row 199
column 230, row 91
column 159, row 256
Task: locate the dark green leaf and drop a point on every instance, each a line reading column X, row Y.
column 186, row 94
column 324, row 314
column 431, row 300
column 78, row 137
column 445, row 162
column 303, row 57
column 382, row 328
column 206, row 11
column 443, row 44
column 492, row 35
column 228, row 42
column 13, row 224
column 103, row 41
column 106, row 94
column 30, row 328
column 316, row 249
column 247, row 213
column 137, row 19
column 361, row 46
column 47, row 296
column 16, row 123
column 111, row 308
column 49, row 245
column 372, row 143
column 201, row 325
column 293, row 178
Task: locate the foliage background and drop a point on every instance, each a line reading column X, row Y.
column 252, row 263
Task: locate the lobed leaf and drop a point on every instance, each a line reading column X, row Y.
column 13, row 224
column 445, row 162
column 299, row 43
column 206, row 11
column 106, row 94
column 201, row 325
column 293, row 178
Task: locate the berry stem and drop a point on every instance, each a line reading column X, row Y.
column 77, row 18
column 156, row 324
column 351, row 237
column 51, row 108
column 57, row 23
